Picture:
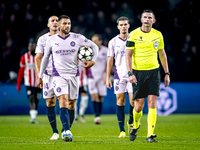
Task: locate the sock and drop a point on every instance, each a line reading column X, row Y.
column 75, row 110
column 151, row 119
column 120, row 117
column 130, row 115
column 33, row 113
column 96, row 108
column 64, row 117
column 83, row 105
column 100, row 107
column 71, row 117
column 52, row 118
column 137, row 117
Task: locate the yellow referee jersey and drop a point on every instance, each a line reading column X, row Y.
column 145, row 48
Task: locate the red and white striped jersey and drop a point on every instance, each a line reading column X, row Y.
column 27, row 70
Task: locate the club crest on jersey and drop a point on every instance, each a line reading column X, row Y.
column 72, row 43
column 155, row 45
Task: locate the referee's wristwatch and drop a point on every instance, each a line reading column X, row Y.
column 130, row 73
column 167, row 73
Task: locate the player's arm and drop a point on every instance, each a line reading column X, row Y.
column 130, row 45
column 20, row 73
column 108, row 71
column 163, row 60
column 43, row 66
column 39, row 54
column 38, row 60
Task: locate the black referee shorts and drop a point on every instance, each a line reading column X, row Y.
column 148, row 83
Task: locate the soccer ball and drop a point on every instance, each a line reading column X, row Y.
column 85, row 53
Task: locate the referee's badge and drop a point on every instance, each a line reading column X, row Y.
column 155, row 44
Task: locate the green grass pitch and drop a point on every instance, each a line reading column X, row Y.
column 174, row 132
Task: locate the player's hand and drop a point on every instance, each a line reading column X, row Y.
column 166, row 80
column 133, row 79
column 88, row 64
column 108, row 83
column 19, row 90
column 40, row 83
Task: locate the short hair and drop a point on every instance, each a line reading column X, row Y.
column 52, row 16
column 148, row 11
column 63, row 17
column 122, row 19
column 99, row 36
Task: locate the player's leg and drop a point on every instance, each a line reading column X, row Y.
column 137, row 114
column 83, row 106
column 49, row 95
column 71, row 106
column 153, row 93
column 32, row 103
column 72, row 97
column 102, row 91
column 121, row 114
column 76, row 112
column 152, row 116
column 130, row 122
column 33, row 112
column 61, row 90
column 50, row 103
column 64, row 117
column 95, row 101
column 92, row 86
column 100, row 103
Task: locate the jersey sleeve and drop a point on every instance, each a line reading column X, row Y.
column 161, row 42
column 22, row 61
column 45, row 60
column 130, row 44
column 111, row 51
column 40, row 46
column 21, row 72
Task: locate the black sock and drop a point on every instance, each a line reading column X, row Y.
column 96, row 108
column 71, row 116
column 120, row 117
column 52, row 118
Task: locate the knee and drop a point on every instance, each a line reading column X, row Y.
column 138, row 109
column 152, row 104
column 51, row 102
column 94, row 97
column 120, row 102
column 71, row 104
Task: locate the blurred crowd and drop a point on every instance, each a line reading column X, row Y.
column 177, row 20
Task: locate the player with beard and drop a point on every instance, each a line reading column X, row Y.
column 48, row 92
column 64, row 47
column 28, row 72
column 117, row 52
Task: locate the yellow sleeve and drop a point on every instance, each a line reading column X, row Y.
column 161, row 43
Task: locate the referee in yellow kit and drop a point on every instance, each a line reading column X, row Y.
column 142, row 49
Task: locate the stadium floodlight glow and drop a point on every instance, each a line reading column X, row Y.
column 167, row 101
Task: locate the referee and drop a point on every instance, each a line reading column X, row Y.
column 142, row 49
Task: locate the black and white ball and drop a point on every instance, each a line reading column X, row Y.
column 85, row 53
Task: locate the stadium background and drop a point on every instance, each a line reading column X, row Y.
column 178, row 20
